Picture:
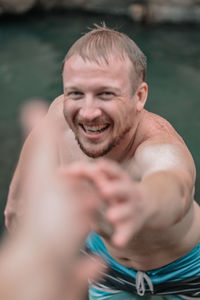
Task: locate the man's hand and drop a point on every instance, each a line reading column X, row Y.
column 122, row 199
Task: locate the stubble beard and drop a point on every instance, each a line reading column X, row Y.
column 110, row 146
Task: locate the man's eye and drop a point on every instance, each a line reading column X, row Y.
column 75, row 95
column 106, row 95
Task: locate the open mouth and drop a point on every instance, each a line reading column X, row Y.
column 94, row 129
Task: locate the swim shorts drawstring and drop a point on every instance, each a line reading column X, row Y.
column 141, row 277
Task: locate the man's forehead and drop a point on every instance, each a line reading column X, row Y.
column 113, row 60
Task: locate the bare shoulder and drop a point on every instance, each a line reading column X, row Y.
column 58, row 102
column 55, row 116
column 161, row 148
column 55, row 112
column 155, row 125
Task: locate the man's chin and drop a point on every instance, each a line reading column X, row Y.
column 94, row 153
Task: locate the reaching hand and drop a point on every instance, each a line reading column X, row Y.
column 41, row 260
column 122, row 199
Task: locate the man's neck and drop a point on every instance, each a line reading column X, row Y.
column 127, row 146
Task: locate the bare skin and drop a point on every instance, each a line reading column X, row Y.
column 38, row 262
column 147, row 185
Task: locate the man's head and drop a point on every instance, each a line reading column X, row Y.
column 104, row 89
column 101, row 43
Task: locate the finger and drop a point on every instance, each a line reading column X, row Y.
column 113, row 192
column 77, row 171
column 112, row 169
column 122, row 234
column 118, row 213
column 83, row 170
column 31, row 114
column 84, row 192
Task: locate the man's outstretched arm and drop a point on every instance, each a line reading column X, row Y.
column 158, row 200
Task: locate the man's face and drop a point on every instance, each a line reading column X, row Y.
column 99, row 106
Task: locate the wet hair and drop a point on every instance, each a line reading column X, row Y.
column 100, row 43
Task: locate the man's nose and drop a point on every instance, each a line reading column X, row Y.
column 90, row 109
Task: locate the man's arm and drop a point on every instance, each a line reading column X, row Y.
column 168, row 178
column 158, row 200
column 166, row 186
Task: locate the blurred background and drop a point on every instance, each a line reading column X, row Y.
column 36, row 34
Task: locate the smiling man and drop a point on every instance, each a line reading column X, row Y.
column 148, row 226
column 97, row 106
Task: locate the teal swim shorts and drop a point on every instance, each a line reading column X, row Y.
column 177, row 280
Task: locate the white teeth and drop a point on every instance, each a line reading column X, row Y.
column 95, row 129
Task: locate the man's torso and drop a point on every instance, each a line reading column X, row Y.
column 150, row 249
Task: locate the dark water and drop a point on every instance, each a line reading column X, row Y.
column 31, row 52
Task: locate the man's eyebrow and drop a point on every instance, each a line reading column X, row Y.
column 70, row 88
column 99, row 88
column 109, row 87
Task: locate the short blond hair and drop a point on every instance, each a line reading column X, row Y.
column 102, row 42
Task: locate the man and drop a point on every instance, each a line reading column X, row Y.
column 145, row 182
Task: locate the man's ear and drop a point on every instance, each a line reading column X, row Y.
column 141, row 96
